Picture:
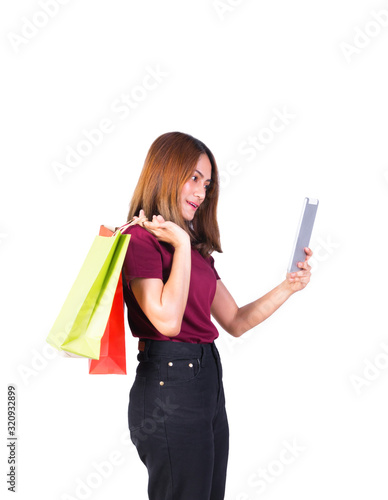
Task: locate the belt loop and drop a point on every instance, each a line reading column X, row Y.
column 147, row 348
column 143, row 346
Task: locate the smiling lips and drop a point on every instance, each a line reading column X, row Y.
column 193, row 205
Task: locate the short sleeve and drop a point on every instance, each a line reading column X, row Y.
column 143, row 258
column 212, row 266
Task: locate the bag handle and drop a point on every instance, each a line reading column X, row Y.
column 132, row 222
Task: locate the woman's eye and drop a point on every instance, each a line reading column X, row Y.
column 195, row 178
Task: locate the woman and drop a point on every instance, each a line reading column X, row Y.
column 176, row 412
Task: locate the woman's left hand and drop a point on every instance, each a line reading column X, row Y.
column 298, row 280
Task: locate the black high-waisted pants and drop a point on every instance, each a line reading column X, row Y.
column 177, row 420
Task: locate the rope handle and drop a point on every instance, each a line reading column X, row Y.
column 132, row 222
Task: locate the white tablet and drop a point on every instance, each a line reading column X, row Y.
column 303, row 234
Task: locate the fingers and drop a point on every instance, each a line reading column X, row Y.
column 156, row 222
column 155, row 218
column 141, row 214
column 304, row 265
column 308, row 252
column 301, row 278
column 159, row 218
column 296, row 275
column 306, row 270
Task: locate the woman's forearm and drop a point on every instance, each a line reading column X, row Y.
column 176, row 290
column 256, row 312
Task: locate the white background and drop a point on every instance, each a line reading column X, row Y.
column 289, row 380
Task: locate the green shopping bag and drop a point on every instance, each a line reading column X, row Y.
column 82, row 320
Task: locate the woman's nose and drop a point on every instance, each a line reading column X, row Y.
column 200, row 191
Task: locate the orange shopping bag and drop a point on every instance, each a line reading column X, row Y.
column 112, row 353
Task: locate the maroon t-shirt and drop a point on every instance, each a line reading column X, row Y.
column 147, row 257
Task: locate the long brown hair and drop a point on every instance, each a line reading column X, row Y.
column 169, row 164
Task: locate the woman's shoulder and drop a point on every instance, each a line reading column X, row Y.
column 144, row 243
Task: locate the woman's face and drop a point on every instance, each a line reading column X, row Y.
column 194, row 190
